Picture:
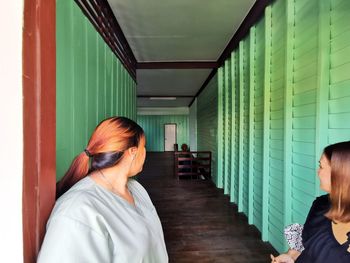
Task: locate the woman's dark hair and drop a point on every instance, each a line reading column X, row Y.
column 105, row 149
column 338, row 156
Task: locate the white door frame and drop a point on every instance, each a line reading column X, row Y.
column 165, row 124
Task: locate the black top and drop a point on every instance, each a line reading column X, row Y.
column 318, row 239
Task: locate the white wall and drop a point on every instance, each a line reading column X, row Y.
column 193, row 126
column 11, row 132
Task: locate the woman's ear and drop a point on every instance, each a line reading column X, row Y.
column 132, row 151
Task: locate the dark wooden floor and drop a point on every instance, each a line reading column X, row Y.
column 199, row 222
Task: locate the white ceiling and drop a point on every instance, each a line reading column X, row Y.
column 177, row 30
column 170, row 82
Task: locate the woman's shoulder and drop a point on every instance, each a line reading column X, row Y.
column 321, row 202
column 322, row 198
column 140, row 191
column 319, row 207
column 133, row 183
column 79, row 197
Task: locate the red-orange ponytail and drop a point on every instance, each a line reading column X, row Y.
column 77, row 171
column 105, row 149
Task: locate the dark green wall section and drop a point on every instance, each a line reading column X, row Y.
column 91, row 83
column 282, row 96
column 153, row 126
column 207, row 118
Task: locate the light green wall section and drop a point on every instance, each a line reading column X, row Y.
column 256, row 140
column 91, row 83
column 207, row 118
column 153, row 125
column 227, row 123
column 193, row 126
column 290, row 91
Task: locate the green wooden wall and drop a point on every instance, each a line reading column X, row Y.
column 153, row 126
column 192, row 119
column 91, row 83
column 207, row 119
column 282, row 96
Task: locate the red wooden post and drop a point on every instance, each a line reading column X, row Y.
column 39, row 121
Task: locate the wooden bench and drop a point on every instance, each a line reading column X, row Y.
column 192, row 165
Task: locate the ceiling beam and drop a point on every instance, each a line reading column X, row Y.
column 102, row 18
column 178, row 65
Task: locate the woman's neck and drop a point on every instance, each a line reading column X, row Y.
column 114, row 179
column 340, row 231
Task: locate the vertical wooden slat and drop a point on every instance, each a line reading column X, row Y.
column 267, row 84
column 241, row 122
column 288, row 93
column 233, row 129
column 226, row 132
column 251, row 123
column 323, row 79
column 219, row 183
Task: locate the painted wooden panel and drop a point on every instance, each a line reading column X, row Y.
column 193, row 126
column 339, row 68
column 257, row 119
column 228, row 126
column 276, row 130
column 221, row 128
column 153, row 125
column 304, row 84
column 235, row 179
column 244, row 108
column 207, row 128
column 90, row 83
column 296, row 65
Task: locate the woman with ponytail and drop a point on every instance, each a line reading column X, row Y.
column 101, row 215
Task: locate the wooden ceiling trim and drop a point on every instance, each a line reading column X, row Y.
column 211, row 75
column 178, row 65
column 102, row 18
column 255, row 13
column 161, row 96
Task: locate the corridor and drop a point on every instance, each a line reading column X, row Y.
column 199, row 222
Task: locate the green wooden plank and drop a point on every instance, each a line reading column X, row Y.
column 220, row 129
column 226, row 129
column 340, row 41
column 251, row 122
column 241, row 123
column 304, row 98
column 304, row 110
column 304, row 122
column 340, row 120
column 288, row 93
column 323, row 81
column 304, row 160
column 340, row 105
column 304, row 148
column 267, row 85
column 233, row 188
column 340, row 73
column 302, row 135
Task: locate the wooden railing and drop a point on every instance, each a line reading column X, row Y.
column 193, row 165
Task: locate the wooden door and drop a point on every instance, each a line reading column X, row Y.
column 169, row 137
